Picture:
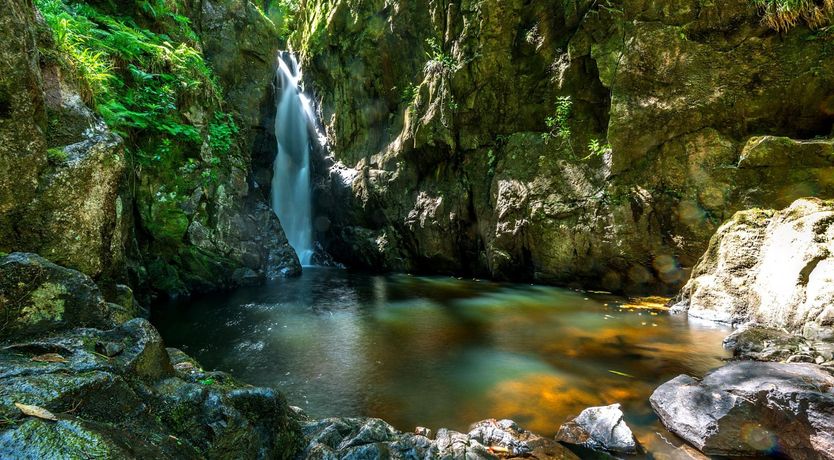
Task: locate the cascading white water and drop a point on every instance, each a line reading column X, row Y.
column 291, row 191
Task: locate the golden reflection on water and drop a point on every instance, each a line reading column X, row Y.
column 442, row 352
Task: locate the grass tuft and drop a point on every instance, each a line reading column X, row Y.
column 782, row 15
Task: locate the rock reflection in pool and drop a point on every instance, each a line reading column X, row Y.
column 441, row 351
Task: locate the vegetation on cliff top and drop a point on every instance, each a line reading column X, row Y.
column 137, row 79
column 782, row 15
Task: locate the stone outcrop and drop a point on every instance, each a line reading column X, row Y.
column 775, row 268
column 71, row 192
column 444, row 160
column 750, row 408
column 356, row 438
column 37, row 296
column 600, row 428
column 61, row 168
column 115, row 394
column 74, row 386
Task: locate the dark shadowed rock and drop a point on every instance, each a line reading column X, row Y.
column 132, row 405
column 600, row 428
column 37, row 296
column 751, row 408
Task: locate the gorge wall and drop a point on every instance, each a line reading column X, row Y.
column 110, row 168
column 584, row 142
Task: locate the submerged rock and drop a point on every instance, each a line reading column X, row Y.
column 772, row 267
column 751, row 408
column 600, row 428
column 355, row 438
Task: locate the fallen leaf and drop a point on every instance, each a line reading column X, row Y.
column 35, row 411
column 49, row 358
column 623, row 374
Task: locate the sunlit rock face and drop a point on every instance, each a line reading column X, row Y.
column 439, row 112
column 771, row 267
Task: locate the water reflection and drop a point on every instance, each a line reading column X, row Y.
column 441, row 351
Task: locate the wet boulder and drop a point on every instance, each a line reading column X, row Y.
column 600, row 428
column 37, row 296
column 750, row 408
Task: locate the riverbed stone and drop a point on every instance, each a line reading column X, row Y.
column 600, row 428
column 753, row 408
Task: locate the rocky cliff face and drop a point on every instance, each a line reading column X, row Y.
column 60, row 167
column 73, row 191
column 559, row 141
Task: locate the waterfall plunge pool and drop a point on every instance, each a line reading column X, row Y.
column 443, row 352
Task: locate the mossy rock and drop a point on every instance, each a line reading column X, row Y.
column 37, row 296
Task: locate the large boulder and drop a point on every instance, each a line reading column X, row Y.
column 772, row 267
column 752, row 408
column 600, row 428
column 37, row 296
column 61, row 169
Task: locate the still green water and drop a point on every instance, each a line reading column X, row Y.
column 443, row 352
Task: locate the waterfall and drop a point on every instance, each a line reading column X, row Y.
column 291, row 191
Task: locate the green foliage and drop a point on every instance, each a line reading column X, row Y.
column 283, row 14
column 439, row 57
column 597, row 148
column 492, row 161
column 56, row 155
column 558, row 123
column 222, row 132
column 139, row 80
column 783, row 15
column 408, row 94
column 453, row 104
column 208, row 381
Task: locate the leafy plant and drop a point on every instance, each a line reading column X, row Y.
column 283, row 14
column 597, row 148
column 222, row 132
column 492, row 161
column 782, row 15
column 558, row 123
column 439, row 57
column 408, row 94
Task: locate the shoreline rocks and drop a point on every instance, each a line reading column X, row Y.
column 116, row 394
column 359, row 438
